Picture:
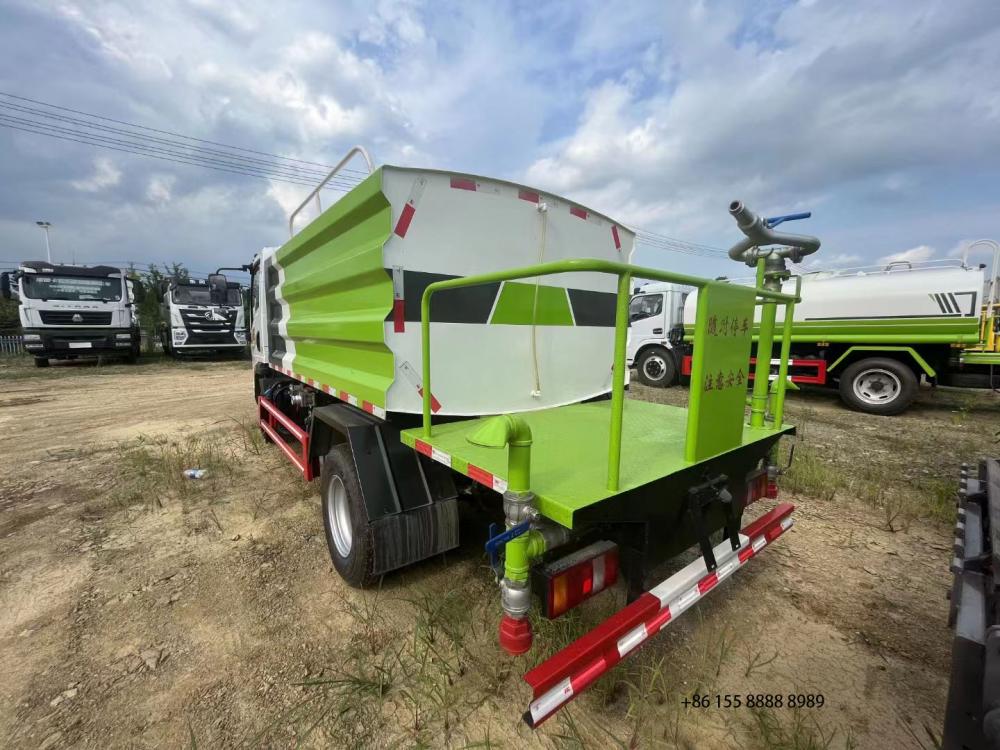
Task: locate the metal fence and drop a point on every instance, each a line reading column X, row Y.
column 12, row 345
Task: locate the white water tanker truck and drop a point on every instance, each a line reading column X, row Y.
column 872, row 333
column 74, row 311
column 435, row 335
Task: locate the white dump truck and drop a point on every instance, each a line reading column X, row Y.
column 199, row 316
column 73, row 311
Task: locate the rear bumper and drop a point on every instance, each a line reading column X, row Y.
column 79, row 342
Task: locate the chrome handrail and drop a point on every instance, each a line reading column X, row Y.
column 315, row 193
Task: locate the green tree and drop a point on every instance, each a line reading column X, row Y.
column 9, row 321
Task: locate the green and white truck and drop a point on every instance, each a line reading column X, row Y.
column 437, row 335
column 875, row 333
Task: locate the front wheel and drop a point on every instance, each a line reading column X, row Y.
column 348, row 532
column 656, row 367
column 878, row 386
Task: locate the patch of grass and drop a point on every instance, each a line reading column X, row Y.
column 811, row 475
column 769, row 729
column 937, row 498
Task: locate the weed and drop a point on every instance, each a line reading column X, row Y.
column 810, row 475
column 775, row 730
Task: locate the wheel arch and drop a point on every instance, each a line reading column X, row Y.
column 906, row 355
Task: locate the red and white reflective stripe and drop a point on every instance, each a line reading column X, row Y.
column 473, row 472
column 580, row 213
column 415, row 381
column 368, row 406
column 615, row 237
column 529, row 195
column 410, row 207
column 566, row 674
column 398, row 304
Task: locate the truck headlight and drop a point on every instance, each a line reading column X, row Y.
column 241, row 337
column 125, row 336
column 180, row 336
column 32, row 337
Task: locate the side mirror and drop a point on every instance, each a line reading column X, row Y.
column 138, row 292
column 5, row 284
column 217, row 286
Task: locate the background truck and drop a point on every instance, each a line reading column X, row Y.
column 202, row 316
column 655, row 310
column 73, row 311
column 874, row 333
column 437, row 336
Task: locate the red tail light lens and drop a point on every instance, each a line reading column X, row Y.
column 577, row 577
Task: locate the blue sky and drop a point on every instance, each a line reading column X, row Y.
column 882, row 118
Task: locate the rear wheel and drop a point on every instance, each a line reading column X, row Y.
column 656, row 367
column 878, row 386
column 348, row 533
column 41, row 361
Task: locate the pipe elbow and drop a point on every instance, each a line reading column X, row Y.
column 501, row 431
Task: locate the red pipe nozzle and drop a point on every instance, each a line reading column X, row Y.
column 515, row 635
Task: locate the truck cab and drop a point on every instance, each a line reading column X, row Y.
column 654, row 310
column 72, row 311
column 202, row 316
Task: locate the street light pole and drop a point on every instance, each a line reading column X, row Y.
column 48, row 248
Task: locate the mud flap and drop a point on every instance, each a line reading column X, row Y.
column 411, row 502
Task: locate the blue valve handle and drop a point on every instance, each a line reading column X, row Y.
column 494, row 543
column 775, row 220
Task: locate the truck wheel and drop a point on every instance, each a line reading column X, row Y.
column 348, row 534
column 656, row 367
column 41, row 361
column 878, row 386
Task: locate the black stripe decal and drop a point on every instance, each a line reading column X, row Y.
column 940, row 304
column 474, row 304
column 891, row 317
column 593, row 308
column 946, row 302
column 275, row 342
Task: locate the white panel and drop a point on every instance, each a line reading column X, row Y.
column 484, row 369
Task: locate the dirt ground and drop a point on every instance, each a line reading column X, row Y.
column 139, row 608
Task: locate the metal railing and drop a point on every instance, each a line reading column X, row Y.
column 315, row 193
column 11, row 346
column 624, row 272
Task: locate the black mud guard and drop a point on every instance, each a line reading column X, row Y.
column 412, row 502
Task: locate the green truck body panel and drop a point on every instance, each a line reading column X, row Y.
column 719, row 379
column 570, row 448
column 339, row 294
column 908, row 349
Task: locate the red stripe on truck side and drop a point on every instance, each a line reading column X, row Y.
column 614, row 234
column 578, row 212
column 527, row 195
column 404, row 220
column 398, row 316
column 463, row 183
column 481, row 476
column 422, row 447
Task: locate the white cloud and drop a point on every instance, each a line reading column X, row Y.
column 913, row 255
column 106, row 175
column 160, row 188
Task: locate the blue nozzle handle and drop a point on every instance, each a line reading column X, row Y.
column 494, row 543
column 775, row 220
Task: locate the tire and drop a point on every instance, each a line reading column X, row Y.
column 41, row 361
column 878, row 386
column 656, row 367
column 348, row 533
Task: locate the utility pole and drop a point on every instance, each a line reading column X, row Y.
column 48, row 247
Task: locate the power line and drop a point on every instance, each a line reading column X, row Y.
column 169, row 132
column 308, row 172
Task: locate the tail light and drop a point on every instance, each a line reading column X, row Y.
column 772, row 482
column 571, row 580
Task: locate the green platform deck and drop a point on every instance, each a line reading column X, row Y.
column 569, row 453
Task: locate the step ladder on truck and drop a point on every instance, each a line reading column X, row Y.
column 433, row 335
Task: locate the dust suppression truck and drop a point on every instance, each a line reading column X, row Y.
column 73, row 311
column 434, row 336
column 202, row 316
column 874, row 333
